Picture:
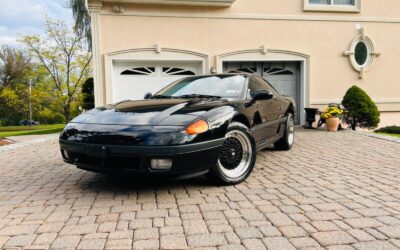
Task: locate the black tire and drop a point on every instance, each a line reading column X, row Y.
column 236, row 133
column 286, row 143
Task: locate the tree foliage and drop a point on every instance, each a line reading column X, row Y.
column 82, row 20
column 88, row 94
column 15, row 69
column 62, row 54
column 361, row 111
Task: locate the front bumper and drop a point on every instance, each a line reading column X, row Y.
column 187, row 160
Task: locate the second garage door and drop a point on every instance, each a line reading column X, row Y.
column 284, row 76
column 132, row 80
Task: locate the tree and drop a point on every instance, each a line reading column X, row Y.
column 62, row 53
column 361, row 111
column 88, row 94
column 15, row 69
column 14, row 65
column 82, row 20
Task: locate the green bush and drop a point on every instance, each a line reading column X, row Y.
column 361, row 111
column 389, row 130
column 48, row 116
column 88, row 94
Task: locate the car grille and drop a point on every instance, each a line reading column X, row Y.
column 112, row 163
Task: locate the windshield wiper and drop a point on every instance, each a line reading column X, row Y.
column 162, row 97
column 199, row 96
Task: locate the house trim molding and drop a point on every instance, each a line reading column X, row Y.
column 304, row 18
column 179, row 2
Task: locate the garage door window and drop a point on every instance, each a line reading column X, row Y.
column 141, row 71
column 171, row 71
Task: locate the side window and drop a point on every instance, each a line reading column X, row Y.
column 254, row 85
column 266, row 85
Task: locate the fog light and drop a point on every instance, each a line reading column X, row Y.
column 161, row 164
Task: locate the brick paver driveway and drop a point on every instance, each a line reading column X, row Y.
column 332, row 190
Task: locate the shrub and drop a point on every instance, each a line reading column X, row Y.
column 361, row 111
column 88, row 94
column 47, row 116
column 389, row 130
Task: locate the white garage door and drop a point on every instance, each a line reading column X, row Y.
column 284, row 76
column 132, row 80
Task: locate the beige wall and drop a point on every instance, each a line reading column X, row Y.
column 249, row 24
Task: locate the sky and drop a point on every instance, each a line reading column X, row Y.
column 27, row 17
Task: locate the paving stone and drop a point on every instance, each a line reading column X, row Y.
column 255, row 244
column 107, row 227
column 363, row 222
column 79, row 229
column 206, row 240
column 140, row 223
column 146, row 233
column 324, row 226
column 18, row 229
column 248, row 233
column 120, row 244
column 65, row 242
column 194, row 227
column 280, row 219
column 292, row 231
column 120, row 235
column 45, row 238
column 146, row 244
column 20, row 240
column 374, row 245
column 390, row 231
column 173, row 241
column 232, row 247
column 270, row 231
column 92, row 244
column 322, row 216
column 303, row 242
column 360, row 235
column 333, row 238
column 278, row 243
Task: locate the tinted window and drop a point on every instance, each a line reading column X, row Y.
column 258, row 83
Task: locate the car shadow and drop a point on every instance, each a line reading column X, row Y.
column 119, row 184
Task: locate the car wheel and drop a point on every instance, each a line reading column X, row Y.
column 286, row 142
column 237, row 157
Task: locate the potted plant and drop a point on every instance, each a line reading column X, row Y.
column 332, row 116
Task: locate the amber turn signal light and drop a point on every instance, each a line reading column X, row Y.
column 197, row 128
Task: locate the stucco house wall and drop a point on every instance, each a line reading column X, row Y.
column 267, row 30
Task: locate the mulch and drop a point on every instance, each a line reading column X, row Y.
column 4, row 142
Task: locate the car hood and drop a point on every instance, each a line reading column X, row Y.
column 168, row 112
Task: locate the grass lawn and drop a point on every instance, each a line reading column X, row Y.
column 34, row 130
column 395, row 135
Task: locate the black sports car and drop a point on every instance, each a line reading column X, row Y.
column 211, row 124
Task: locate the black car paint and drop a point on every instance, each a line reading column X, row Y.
column 125, row 129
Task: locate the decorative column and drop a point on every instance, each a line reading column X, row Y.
column 95, row 7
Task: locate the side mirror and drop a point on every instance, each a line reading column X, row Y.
column 262, row 95
column 148, row 95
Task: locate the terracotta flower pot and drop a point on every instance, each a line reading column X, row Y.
column 332, row 124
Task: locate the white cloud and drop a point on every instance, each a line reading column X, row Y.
column 27, row 17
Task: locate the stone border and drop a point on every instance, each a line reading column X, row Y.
column 378, row 136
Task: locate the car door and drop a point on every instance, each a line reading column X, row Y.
column 270, row 109
column 259, row 114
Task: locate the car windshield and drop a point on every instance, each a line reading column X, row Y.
column 220, row 86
